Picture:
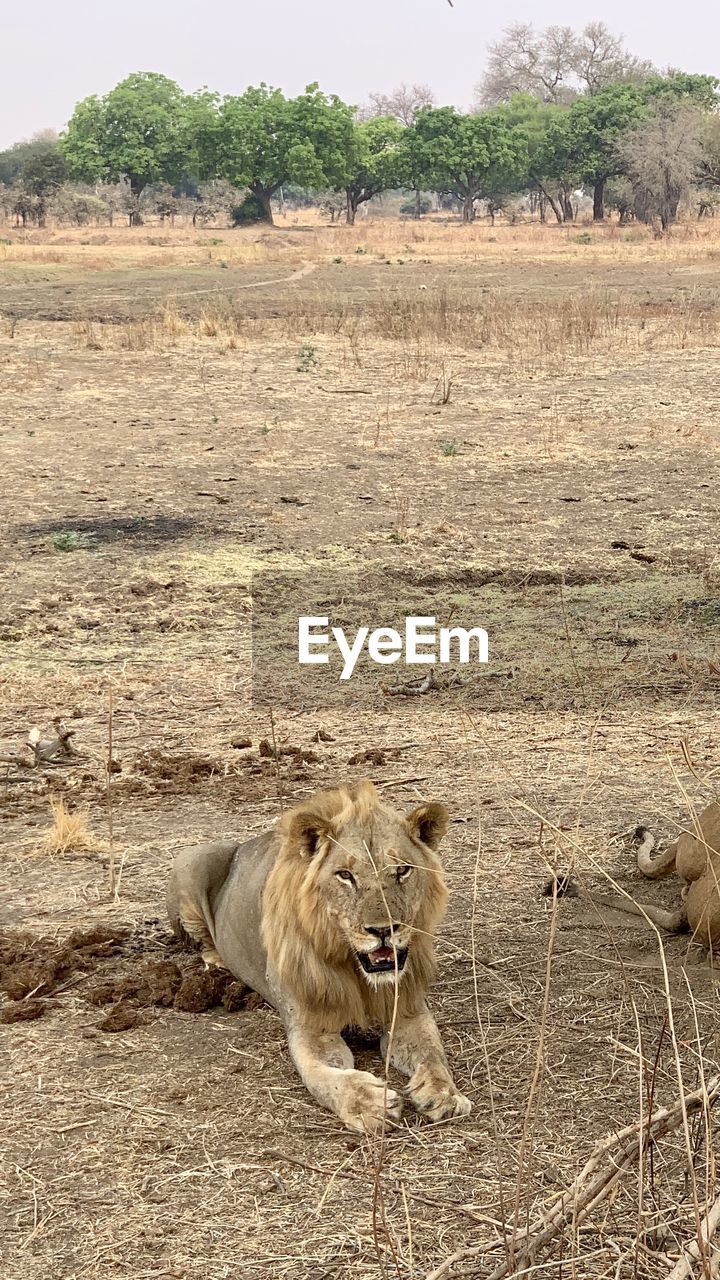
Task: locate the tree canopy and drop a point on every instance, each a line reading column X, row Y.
column 584, row 140
column 138, row 131
column 375, row 162
column 265, row 139
column 557, row 64
column 565, row 104
column 468, row 156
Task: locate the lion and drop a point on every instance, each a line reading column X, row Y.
column 331, row 917
column 695, row 856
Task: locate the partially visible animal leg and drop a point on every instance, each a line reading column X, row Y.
column 326, row 1067
column 416, row 1049
column 671, row 921
column 192, row 927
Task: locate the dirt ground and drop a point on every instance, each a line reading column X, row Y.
column 516, row 427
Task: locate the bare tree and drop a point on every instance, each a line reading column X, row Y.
column 663, row 157
column 116, row 197
column 555, row 65
column 528, row 61
column 333, row 204
column 78, row 204
column 599, row 59
column 402, row 104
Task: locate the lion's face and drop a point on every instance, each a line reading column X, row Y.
column 371, row 885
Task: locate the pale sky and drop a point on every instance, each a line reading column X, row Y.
column 55, row 52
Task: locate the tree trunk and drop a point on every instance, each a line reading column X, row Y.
column 418, row 198
column 262, row 195
column 673, row 206
column 136, row 190
column 468, row 211
column 567, row 205
column 351, row 209
column 551, row 201
column 599, row 200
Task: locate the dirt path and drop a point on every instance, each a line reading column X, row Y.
column 70, row 299
column 304, row 270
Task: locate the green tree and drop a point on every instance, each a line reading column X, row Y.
column 585, row 139
column 413, row 164
column 36, row 169
column 469, row 157
column 374, row 163
column 42, row 173
column 13, row 159
column 202, row 124
column 265, row 139
column 549, row 171
column 684, row 87
column 139, row 131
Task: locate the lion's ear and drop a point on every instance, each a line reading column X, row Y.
column 307, row 830
column 428, row 823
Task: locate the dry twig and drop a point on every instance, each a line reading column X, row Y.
column 610, row 1159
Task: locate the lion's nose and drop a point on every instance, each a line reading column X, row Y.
column 381, row 931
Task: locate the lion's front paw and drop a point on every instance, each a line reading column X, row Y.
column 436, row 1097
column 365, row 1102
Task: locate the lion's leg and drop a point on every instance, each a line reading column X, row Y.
column 671, row 921
column 416, row 1049
column 192, row 928
column 326, row 1067
column 197, row 872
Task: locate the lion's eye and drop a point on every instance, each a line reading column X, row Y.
column 402, row 873
column 346, row 876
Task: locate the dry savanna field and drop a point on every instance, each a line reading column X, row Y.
column 515, row 426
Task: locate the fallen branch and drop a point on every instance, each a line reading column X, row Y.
column 344, row 391
column 685, row 1266
column 401, row 782
column 610, row 1159
column 429, row 685
column 52, row 750
column 410, row 690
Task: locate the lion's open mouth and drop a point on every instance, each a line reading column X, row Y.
column 383, row 960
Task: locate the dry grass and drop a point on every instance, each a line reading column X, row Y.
column 306, row 235
column 416, row 323
column 69, row 832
